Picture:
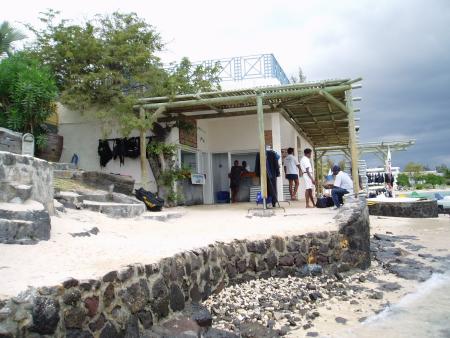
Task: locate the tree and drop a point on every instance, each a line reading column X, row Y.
column 442, row 168
column 403, row 180
column 27, row 95
column 300, row 77
column 413, row 168
column 9, row 35
column 108, row 63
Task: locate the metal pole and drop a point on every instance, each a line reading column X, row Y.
column 352, row 140
column 262, row 149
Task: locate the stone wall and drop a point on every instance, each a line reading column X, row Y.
column 30, row 171
column 126, row 302
column 416, row 209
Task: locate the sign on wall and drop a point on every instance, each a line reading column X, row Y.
column 198, row 179
column 28, row 144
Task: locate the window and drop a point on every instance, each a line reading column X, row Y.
column 189, row 160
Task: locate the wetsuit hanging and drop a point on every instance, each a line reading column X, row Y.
column 132, row 148
column 105, row 153
column 119, row 150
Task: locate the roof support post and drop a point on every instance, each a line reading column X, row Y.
column 143, row 150
column 262, row 149
column 352, row 140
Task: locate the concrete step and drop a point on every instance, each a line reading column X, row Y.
column 24, row 223
column 14, row 192
column 69, row 173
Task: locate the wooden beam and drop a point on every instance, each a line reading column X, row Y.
column 352, row 142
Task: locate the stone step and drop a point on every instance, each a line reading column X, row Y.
column 14, row 192
column 69, row 173
column 24, row 223
column 63, row 166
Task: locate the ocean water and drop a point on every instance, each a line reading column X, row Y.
column 430, row 194
column 421, row 314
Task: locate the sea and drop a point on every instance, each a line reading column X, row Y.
column 421, row 314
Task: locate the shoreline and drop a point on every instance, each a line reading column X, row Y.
column 406, row 253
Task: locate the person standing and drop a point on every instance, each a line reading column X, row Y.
column 342, row 185
column 308, row 175
column 291, row 169
column 235, row 180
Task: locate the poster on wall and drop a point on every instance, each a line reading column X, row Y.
column 197, row 178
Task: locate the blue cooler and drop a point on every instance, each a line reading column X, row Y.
column 223, row 197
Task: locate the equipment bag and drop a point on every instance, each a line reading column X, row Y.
column 324, row 202
column 151, row 201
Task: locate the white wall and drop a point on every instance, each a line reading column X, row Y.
column 81, row 135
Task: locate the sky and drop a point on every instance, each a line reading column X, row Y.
column 400, row 48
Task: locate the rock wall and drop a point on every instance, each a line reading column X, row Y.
column 31, row 171
column 124, row 303
column 416, row 209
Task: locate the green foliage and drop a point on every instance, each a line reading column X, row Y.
column 442, row 168
column 106, row 63
column 433, row 180
column 414, row 168
column 9, row 35
column 419, row 186
column 157, row 148
column 27, row 94
column 403, row 180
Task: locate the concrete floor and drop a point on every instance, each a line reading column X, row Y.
column 141, row 240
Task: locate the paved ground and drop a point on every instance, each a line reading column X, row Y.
column 140, row 240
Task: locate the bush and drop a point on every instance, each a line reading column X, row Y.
column 419, row 186
column 27, row 94
column 403, row 180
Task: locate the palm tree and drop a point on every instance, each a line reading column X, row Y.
column 8, row 35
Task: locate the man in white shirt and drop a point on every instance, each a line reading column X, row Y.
column 291, row 169
column 308, row 175
column 342, row 185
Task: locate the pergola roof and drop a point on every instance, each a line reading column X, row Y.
column 318, row 110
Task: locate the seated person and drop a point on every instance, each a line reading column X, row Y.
column 342, row 185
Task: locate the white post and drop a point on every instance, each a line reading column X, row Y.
column 276, row 146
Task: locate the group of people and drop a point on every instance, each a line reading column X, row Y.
column 293, row 169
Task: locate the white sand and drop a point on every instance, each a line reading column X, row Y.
column 125, row 241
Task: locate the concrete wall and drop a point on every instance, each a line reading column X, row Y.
column 81, row 135
column 124, row 303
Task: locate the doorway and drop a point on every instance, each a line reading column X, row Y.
column 220, row 170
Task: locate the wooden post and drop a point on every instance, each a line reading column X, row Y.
column 143, row 150
column 316, row 171
column 353, row 142
column 262, row 149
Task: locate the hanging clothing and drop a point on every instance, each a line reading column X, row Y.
column 119, row 150
column 132, row 147
column 104, row 151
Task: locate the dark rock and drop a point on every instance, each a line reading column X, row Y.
column 231, row 270
column 362, row 278
column 241, row 265
column 376, row 295
column 91, row 304
column 195, row 293
column 176, row 298
column 78, row 334
column 136, row 296
column 354, row 302
column 307, row 326
column 132, row 328
column 146, row 318
column 86, row 285
column 125, row 274
column 109, row 331
column 312, row 334
column 315, row 296
column 74, row 318
column 160, row 306
column 159, row 288
column 45, row 315
column 271, row 261
column 287, row 260
column 110, row 277
column 97, row 324
column 201, row 315
column 293, row 247
column 362, row 319
column 338, row 276
column 72, row 297
column 391, row 286
column 257, row 247
column 340, row 320
column 108, row 295
column 69, row 283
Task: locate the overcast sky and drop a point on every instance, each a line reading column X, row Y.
column 400, row 48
